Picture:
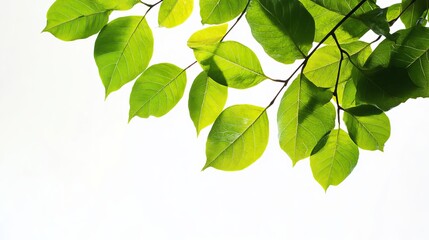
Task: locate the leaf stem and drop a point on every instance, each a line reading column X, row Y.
column 150, row 6
column 338, row 78
column 236, row 21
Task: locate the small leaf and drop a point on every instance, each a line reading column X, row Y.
column 347, row 94
column 238, row 138
column 157, row 91
column 305, row 115
column 174, row 12
column 334, row 158
column 220, row 11
column 368, row 126
column 230, row 64
column 122, row 51
column 415, row 13
column 76, row 19
column 118, row 4
column 206, row 101
column 393, row 12
column 208, row 36
column 275, row 26
column 322, row 67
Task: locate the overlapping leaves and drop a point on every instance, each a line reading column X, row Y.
column 341, row 76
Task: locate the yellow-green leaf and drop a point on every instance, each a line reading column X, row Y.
column 174, row 12
column 220, row 11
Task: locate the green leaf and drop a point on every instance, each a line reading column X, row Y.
column 122, row 51
column 220, row 11
column 415, row 13
column 411, row 51
column 351, row 30
column 347, row 94
column 322, row 67
column 230, row 64
column 393, row 12
column 76, row 19
column 157, row 91
column 238, row 138
column 305, row 115
column 118, row 4
column 174, row 12
column 206, row 101
column 275, row 26
column 376, row 20
column 334, row 158
column 368, row 126
column 208, row 36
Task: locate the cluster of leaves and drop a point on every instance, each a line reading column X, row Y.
column 339, row 74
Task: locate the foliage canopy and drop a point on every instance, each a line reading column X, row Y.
column 333, row 104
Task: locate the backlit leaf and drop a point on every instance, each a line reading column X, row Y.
column 122, row 51
column 157, row 91
column 76, row 19
column 368, row 126
column 118, row 4
column 305, row 115
column 208, row 36
column 415, row 13
column 220, row 11
column 207, row 99
column 231, row 64
column 238, row 138
column 284, row 28
column 334, row 158
column 174, row 12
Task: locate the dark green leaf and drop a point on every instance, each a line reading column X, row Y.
column 284, row 28
column 305, row 115
column 157, row 91
column 220, row 11
column 368, row 126
column 238, row 138
column 206, row 101
column 122, row 51
column 174, row 12
column 334, row 158
column 230, row 64
column 76, row 19
column 415, row 13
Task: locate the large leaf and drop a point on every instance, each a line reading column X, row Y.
column 284, row 28
column 238, row 138
column 157, row 91
column 334, row 158
column 414, row 14
column 231, row 64
column 122, row 51
column 369, row 13
column 220, row 11
column 411, row 51
column 305, row 115
column 207, row 99
column 174, row 12
column 118, row 4
column 368, row 126
column 322, row 67
column 325, row 20
column 76, row 19
column 207, row 36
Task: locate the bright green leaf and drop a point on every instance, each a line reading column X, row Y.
column 76, row 19
column 208, row 36
column 322, row 67
column 275, row 25
column 157, row 91
column 238, row 138
column 334, row 158
column 305, row 115
column 174, row 12
column 118, row 4
column 325, row 20
column 368, row 126
column 393, row 12
column 206, row 101
column 122, row 51
column 230, row 64
column 220, row 11
column 347, row 94
column 415, row 13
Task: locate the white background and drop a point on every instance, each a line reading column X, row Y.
column 71, row 167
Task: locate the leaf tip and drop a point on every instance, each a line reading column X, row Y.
column 205, row 167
